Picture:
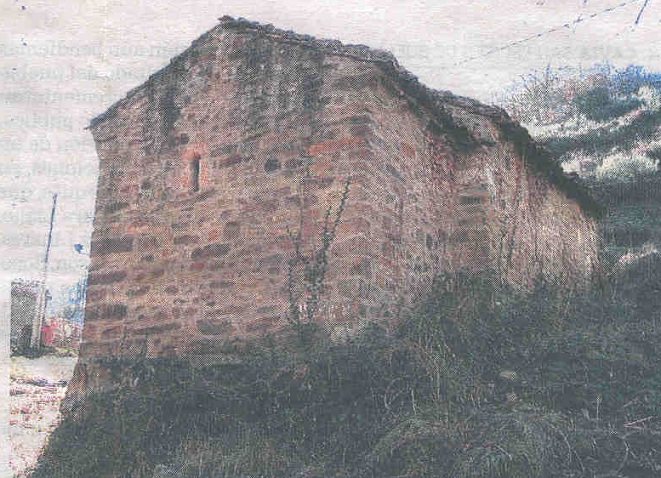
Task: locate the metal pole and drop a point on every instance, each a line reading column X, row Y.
column 640, row 13
column 50, row 233
column 35, row 341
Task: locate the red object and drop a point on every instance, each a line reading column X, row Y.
column 46, row 335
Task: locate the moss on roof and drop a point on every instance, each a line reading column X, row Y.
column 435, row 102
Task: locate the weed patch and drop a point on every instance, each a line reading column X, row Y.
column 479, row 381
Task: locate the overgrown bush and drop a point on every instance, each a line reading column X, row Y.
column 481, row 380
column 599, row 104
column 620, row 167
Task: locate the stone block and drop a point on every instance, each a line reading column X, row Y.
column 158, row 329
column 222, row 284
column 210, row 251
column 104, row 278
column 186, row 239
column 106, row 312
column 138, row 291
column 232, row 160
column 111, row 245
column 214, row 326
column 115, row 207
column 197, row 266
column 232, row 230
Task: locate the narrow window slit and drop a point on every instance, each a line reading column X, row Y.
column 195, row 174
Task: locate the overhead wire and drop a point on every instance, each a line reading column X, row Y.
column 564, row 26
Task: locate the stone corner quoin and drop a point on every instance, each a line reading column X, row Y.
column 254, row 131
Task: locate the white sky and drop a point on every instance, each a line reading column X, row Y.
column 63, row 63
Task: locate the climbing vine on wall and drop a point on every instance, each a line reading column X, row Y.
column 307, row 270
column 442, row 161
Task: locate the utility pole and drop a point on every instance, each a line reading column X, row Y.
column 35, row 340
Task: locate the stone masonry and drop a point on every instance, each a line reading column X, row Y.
column 254, row 131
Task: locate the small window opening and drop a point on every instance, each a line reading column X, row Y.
column 195, row 174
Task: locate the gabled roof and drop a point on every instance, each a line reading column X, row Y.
column 436, row 102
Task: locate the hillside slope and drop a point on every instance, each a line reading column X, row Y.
column 603, row 125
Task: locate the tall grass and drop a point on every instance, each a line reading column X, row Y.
column 479, row 381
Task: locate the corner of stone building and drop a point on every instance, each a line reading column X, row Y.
column 200, row 174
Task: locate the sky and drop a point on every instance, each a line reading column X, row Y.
column 62, row 63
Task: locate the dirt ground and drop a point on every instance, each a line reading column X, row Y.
column 37, row 388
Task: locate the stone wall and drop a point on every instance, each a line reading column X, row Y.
column 248, row 135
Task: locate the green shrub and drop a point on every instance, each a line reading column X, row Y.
column 598, row 104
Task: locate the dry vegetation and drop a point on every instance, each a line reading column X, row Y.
column 480, row 381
